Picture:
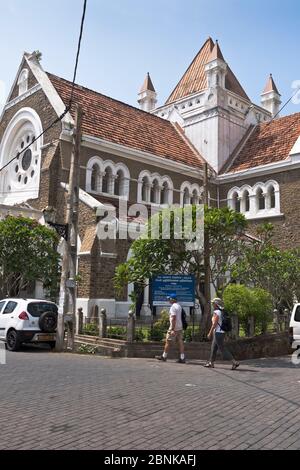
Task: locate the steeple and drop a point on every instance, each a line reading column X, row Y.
column 147, row 97
column 216, row 68
column 216, row 53
column 270, row 97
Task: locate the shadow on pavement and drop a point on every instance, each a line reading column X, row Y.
column 35, row 348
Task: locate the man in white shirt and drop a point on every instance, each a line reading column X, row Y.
column 175, row 332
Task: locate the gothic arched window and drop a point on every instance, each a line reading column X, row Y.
column 260, row 198
column 236, row 203
column 155, row 192
column 165, row 193
column 107, row 183
column 96, row 178
column 120, row 183
column 145, row 189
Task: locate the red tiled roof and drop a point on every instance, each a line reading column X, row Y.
column 268, row 143
column 194, row 79
column 120, row 123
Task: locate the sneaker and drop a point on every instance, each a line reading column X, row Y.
column 235, row 365
column 181, row 361
column 209, row 365
column 161, row 358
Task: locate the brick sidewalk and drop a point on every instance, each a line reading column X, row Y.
column 64, row 401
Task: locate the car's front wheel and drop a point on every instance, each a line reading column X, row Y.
column 13, row 343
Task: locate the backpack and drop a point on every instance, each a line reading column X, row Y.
column 226, row 324
column 183, row 319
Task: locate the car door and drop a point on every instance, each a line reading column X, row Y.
column 7, row 315
column 2, row 319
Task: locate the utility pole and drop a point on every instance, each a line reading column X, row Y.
column 206, row 318
column 68, row 290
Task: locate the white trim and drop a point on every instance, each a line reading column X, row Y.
column 22, row 97
column 49, row 90
column 254, row 211
column 292, row 162
column 134, row 154
column 12, row 186
column 86, row 198
column 23, row 81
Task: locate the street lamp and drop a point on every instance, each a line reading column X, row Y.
column 49, row 215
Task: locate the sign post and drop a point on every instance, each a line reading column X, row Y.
column 181, row 285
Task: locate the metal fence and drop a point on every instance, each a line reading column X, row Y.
column 147, row 328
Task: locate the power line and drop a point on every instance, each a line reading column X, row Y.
column 78, row 51
column 285, row 104
column 67, row 109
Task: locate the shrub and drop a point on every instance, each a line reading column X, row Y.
column 139, row 334
column 246, row 302
column 160, row 327
column 87, row 349
column 91, row 329
column 116, row 332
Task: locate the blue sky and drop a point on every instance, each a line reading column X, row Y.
column 124, row 39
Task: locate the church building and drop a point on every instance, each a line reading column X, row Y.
column 150, row 155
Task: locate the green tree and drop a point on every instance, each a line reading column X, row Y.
column 27, row 254
column 276, row 271
column 248, row 302
column 176, row 255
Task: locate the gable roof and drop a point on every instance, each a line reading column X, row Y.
column 194, row 79
column 268, row 143
column 120, row 123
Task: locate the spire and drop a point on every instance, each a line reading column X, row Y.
column 270, row 97
column 216, row 53
column 270, row 86
column 147, row 85
column 147, row 95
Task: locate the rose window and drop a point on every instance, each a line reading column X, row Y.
column 20, row 154
column 25, row 166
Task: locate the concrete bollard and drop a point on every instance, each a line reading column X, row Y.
column 276, row 324
column 103, row 324
column 251, row 326
column 131, row 326
column 234, row 334
column 79, row 322
column 287, row 317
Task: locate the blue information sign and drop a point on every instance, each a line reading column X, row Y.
column 181, row 285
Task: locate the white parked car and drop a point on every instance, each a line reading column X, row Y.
column 27, row 321
column 294, row 331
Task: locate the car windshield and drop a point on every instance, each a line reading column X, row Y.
column 297, row 314
column 37, row 308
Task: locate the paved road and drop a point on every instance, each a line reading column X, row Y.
column 64, row 401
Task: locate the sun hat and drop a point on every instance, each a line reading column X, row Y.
column 218, row 301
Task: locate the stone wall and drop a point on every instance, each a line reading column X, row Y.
column 248, row 348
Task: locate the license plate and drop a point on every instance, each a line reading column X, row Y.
column 46, row 338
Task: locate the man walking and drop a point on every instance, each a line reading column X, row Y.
column 219, row 336
column 175, row 330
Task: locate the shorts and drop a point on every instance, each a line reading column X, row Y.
column 177, row 337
